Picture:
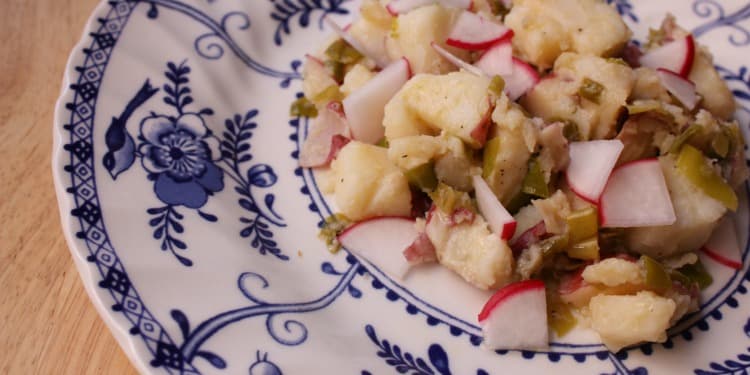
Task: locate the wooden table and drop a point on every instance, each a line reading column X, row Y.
column 47, row 323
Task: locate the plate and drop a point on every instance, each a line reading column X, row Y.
column 205, row 259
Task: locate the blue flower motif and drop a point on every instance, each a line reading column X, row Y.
column 179, row 153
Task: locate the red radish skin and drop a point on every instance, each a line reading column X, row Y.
column 677, row 56
column 591, row 163
column 462, row 215
column 681, row 88
column 642, row 179
column 507, row 292
column 723, row 245
column 499, row 219
column 721, row 259
column 480, row 131
column 338, row 142
column 326, row 136
column 529, row 237
column 421, row 251
column 572, row 283
column 473, row 32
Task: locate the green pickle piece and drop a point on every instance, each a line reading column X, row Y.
column 303, row 107
column 329, row 94
column 684, row 137
column 491, row 148
column 383, row 142
column 496, row 87
column 498, row 8
column 332, row 227
column 657, row 277
column 517, row 202
column 553, row 245
column 720, row 145
column 447, row 199
column 585, row 250
column 423, row 176
column 582, row 224
column 561, row 318
column 534, row 183
column 340, row 51
column 591, row 90
column 697, row 273
column 695, row 168
column 570, row 131
column 335, row 69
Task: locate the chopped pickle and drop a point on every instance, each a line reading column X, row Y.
column 554, row 244
column 491, row 148
column 447, row 199
column 332, row 227
column 720, row 145
column 498, row 8
column 697, row 274
column 570, row 131
column 655, row 38
column 585, row 250
column 383, row 142
column 423, row 176
column 617, row 60
column 340, row 51
column 656, row 107
column 591, row 90
column 302, row 107
column 582, row 224
column 611, row 239
column 518, row 202
column 335, row 69
column 496, row 86
column 394, row 28
column 696, row 169
column 657, row 277
column 329, row 94
column 684, row 137
column 534, row 182
column 561, row 318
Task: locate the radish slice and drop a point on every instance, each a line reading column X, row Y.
column 497, row 60
column 421, row 250
column 380, row 61
column 515, row 317
column 396, row 7
column 365, row 106
column 723, row 246
column 501, row 222
column 523, row 79
column 676, row 56
column 682, row 88
column 636, row 195
column 590, row 166
column 529, row 237
column 381, row 241
column 324, row 138
column 453, row 59
column 474, row 32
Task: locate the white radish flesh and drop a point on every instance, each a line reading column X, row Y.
column 723, row 246
column 497, row 60
column 500, row 220
column 677, row 56
column 682, row 88
column 473, row 32
column 515, row 317
column 382, row 241
column 590, row 165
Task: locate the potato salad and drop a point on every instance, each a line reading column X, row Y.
column 535, row 150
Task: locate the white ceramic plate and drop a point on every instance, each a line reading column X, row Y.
column 212, row 264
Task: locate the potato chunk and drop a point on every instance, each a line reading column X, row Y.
column 544, row 29
column 367, row 184
column 558, row 96
column 697, row 216
column 457, row 103
column 414, row 33
column 471, row 250
column 626, row 320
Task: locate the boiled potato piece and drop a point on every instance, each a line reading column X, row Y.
column 315, row 81
column 697, row 216
column 456, row 103
column 626, row 320
column 414, row 33
column 371, row 35
column 613, row 272
column 558, row 96
column 544, row 29
column 506, row 162
column 367, row 184
column 717, row 98
column 471, row 250
column 412, row 151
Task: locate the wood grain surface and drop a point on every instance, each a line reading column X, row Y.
column 47, row 323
